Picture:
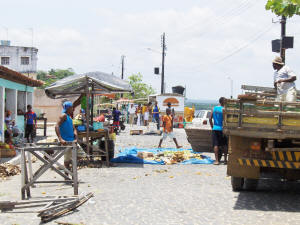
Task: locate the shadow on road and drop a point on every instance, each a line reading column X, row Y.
column 128, row 165
column 271, row 195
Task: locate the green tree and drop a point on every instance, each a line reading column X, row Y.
column 141, row 90
column 287, row 8
column 53, row 75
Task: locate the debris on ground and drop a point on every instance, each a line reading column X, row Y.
column 66, row 223
column 7, row 170
column 52, row 208
column 169, row 157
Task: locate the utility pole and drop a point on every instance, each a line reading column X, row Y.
column 122, row 58
column 283, row 33
column 163, row 45
column 122, row 75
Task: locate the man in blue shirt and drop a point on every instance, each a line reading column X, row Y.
column 155, row 113
column 66, row 131
column 218, row 138
column 30, row 119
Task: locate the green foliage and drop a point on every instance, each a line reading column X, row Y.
column 141, row 90
column 287, row 8
column 53, row 75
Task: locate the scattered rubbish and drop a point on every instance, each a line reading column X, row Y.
column 161, row 171
column 7, row 170
column 52, row 208
column 65, row 223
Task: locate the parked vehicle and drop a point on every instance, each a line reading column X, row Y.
column 264, row 138
column 202, row 118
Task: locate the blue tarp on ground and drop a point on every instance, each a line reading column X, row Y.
column 129, row 155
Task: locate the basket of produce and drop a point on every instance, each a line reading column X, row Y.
column 7, row 151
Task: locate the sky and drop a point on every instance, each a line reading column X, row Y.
column 209, row 42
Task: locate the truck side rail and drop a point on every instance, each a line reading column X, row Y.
column 262, row 117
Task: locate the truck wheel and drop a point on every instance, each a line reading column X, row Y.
column 237, row 183
column 251, row 184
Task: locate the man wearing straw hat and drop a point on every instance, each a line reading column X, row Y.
column 284, row 81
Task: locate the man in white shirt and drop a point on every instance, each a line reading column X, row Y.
column 284, row 83
column 131, row 112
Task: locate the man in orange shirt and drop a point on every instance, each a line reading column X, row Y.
column 168, row 128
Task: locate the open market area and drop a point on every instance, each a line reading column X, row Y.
column 150, row 112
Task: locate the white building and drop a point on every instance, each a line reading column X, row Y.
column 18, row 58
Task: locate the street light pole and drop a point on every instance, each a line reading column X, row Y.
column 163, row 64
column 231, row 86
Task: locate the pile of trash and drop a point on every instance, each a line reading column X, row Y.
column 161, row 156
column 7, row 170
column 170, row 157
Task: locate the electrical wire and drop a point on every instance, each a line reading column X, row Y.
column 258, row 36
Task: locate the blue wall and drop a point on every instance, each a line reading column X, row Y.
column 20, row 122
column 13, row 85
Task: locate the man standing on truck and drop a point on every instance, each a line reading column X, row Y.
column 218, row 138
column 284, row 81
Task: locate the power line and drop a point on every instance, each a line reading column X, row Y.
column 259, row 35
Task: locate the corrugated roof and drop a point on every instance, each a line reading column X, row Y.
column 73, row 85
column 17, row 77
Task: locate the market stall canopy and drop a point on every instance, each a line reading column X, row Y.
column 123, row 101
column 76, row 85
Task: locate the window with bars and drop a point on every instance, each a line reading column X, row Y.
column 4, row 60
column 24, row 60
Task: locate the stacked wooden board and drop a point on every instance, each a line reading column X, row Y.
column 200, row 139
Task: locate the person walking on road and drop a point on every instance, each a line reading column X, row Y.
column 155, row 113
column 284, row 81
column 139, row 114
column 218, row 138
column 30, row 120
column 131, row 111
column 168, row 129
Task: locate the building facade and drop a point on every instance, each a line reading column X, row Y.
column 16, row 91
column 18, row 58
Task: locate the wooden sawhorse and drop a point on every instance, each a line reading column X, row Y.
column 49, row 162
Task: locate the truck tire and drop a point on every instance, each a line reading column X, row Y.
column 251, row 184
column 237, row 183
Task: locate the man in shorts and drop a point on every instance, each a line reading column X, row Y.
column 168, row 128
column 30, row 120
column 218, row 138
column 66, row 132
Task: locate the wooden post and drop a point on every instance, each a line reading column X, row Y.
column 23, row 161
column 29, row 164
column 45, row 127
column 87, row 116
column 74, row 164
column 2, row 112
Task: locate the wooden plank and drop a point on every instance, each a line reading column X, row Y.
column 74, row 164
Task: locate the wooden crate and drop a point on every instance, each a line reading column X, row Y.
column 136, row 132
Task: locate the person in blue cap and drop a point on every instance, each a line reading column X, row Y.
column 66, row 131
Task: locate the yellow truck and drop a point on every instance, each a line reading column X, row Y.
column 264, row 137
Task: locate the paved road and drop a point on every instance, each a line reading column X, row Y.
column 152, row 194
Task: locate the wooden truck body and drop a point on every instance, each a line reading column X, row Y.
column 264, row 137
